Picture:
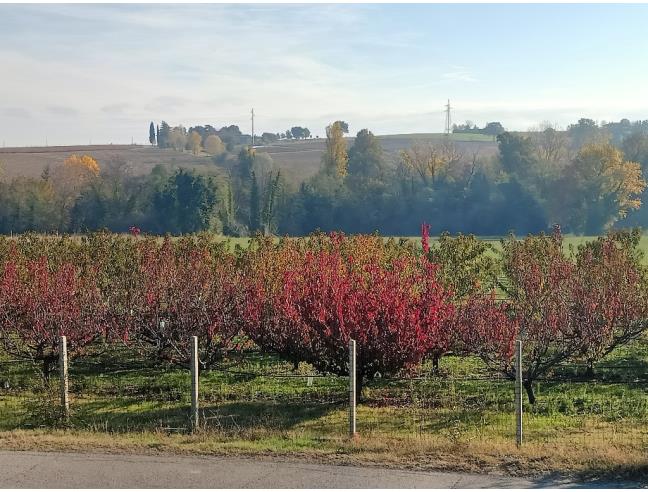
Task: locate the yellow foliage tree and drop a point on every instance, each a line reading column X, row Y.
column 428, row 161
column 335, row 159
column 603, row 186
column 178, row 138
column 194, row 142
column 71, row 178
column 82, row 164
column 214, row 145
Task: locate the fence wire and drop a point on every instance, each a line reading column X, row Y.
column 119, row 392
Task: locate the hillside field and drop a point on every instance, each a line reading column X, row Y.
column 300, row 159
column 31, row 161
column 297, row 159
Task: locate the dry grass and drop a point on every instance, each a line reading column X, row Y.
column 301, row 159
column 298, row 160
column 31, row 161
column 596, row 460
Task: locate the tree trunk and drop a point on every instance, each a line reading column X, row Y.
column 589, row 372
column 435, row 363
column 528, row 386
column 48, row 365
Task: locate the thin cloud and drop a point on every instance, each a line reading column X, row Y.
column 114, row 68
column 62, row 111
column 15, row 113
column 459, row 75
column 115, row 109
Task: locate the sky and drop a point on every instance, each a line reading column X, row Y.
column 76, row 74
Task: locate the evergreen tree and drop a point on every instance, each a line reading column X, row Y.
column 255, row 209
column 227, row 213
column 152, row 138
column 269, row 203
column 186, row 204
column 366, row 156
column 164, row 136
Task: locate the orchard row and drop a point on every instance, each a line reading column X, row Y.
column 304, row 298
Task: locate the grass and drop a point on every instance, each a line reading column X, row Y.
column 569, row 241
column 298, row 159
column 460, row 419
column 141, row 159
column 587, row 461
column 455, row 137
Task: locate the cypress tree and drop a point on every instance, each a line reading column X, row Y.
column 152, row 137
column 255, row 212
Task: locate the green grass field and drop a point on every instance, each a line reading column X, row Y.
column 257, row 404
column 570, row 241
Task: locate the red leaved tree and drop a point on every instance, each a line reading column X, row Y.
column 40, row 302
column 540, row 285
column 468, row 272
column 571, row 307
column 182, row 291
column 482, row 326
column 394, row 308
column 610, row 294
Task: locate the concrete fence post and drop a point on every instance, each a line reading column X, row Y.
column 352, row 388
column 63, row 372
column 194, row 384
column 518, row 392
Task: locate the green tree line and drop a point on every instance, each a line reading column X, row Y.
column 589, row 178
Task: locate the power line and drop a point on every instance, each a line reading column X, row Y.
column 448, row 119
column 252, row 127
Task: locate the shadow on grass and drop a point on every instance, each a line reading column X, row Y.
column 271, row 416
column 629, row 476
column 127, row 415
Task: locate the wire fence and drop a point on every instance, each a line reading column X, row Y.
column 117, row 391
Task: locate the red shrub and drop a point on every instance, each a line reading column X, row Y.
column 483, row 327
column 183, row 291
column 39, row 303
column 610, row 295
column 394, row 310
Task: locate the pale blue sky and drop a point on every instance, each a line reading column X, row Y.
column 75, row 73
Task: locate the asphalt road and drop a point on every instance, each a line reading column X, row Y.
column 90, row 470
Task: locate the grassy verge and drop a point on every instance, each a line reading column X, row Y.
column 460, row 419
column 589, row 461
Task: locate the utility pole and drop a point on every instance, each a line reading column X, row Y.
column 518, row 392
column 252, row 127
column 448, row 119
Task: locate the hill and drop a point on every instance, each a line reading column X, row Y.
column 31, row 161
column 298, row 159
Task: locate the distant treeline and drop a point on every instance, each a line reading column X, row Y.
column 587, row 178
column 493, row 128
column 213, row 141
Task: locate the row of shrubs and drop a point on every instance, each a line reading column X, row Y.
column 305, row 298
